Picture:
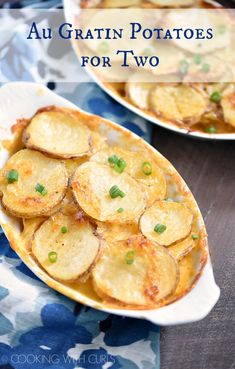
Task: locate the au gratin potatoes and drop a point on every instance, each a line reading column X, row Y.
column 192, row 93
column 100, row 208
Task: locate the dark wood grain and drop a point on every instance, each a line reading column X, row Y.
column 209, row 170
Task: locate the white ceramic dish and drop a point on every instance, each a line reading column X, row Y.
column 21, row 100
column 71, row 7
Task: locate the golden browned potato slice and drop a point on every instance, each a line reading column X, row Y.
column 166, row 222
column 40, row 186
column 179, row 104
column 97, row 142
column 101, row 193
column 180, row 249
column 30, row 227
column 72, row 164
column 120, row 3
column 66, row 247
column 135, row 272
column 228, row 105
column 172, row 3
column 59, row 134
column 150, row 176
column 117, row 232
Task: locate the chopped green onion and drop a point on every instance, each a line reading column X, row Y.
column 52, row 256
column 195, row 236
column 118, row 164
column 12, row 176
column 184, row 66
column 221, row 29
column 113, row 159
column 120, row 210
column 41, row 189
column 149, row 51
column 215, row 97
column 115, row 192
column 160, row 228
column 205, row 68
column 130, row 257
column 64, row 229
column 211, row 129
column 103, row 47
column 122, row 194
column 197, row 59
column 169, row 199
column 147, row 168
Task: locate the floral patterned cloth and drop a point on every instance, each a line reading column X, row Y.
column 40, row 328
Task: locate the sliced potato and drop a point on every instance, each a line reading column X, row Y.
column 228, row 105
column 172, row 3
column 165, row 70
column 30, row 227
column 98, row 46
column 120, row 3
column 180, row 249
column 21, row 197
column 201, row 19
column 218, row 71
column 117, row 232
column 72, row 164
column 138, row 92
column 153, row 185
column 58, row 133
column 135, row 272
column 166, row 222
column 97, row 142
column 68, row 205
column 76, row 250
column 91, row 185
column 179, row 104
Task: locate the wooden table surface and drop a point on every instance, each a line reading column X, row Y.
column 209, row 170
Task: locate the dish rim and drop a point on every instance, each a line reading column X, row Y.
column 188, row 308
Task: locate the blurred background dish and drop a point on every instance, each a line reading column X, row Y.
column 210, row 112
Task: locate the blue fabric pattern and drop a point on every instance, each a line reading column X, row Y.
column 40, row 328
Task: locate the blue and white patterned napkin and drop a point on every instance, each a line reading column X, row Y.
column 40, row 328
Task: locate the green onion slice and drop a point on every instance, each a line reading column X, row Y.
column 197, row 59
column 184, row 66
column 215, row 97
column 113, row 159
column 12, row 176
column 169, row 199
column 116, row 192
column 147, row 168
column 120, row 210
column 221, row 29
column 118, row 164
column 41, row 189
column 64, row 229
column 130, row 257
column 205, row 68
column 52, row 256
column 160, row 228
column 211, row 129
column 103, row 47
column 195, row 236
